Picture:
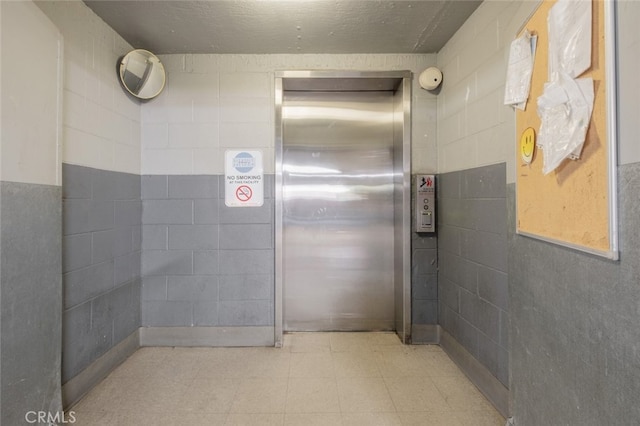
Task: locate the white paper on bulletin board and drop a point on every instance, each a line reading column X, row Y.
column 566, row 104
column 519, row 70
column 569, row 23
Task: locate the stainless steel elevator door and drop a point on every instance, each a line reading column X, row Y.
column 338, row 212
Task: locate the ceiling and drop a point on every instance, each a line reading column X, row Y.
column 294, row 26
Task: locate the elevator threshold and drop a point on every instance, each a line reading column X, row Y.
column 339, row 341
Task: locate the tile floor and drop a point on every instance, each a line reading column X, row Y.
column 315, row 379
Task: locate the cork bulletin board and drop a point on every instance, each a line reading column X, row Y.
column 576, row 204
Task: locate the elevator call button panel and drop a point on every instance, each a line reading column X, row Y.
column 425, row 203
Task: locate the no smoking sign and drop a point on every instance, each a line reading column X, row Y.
column 244, row 193
column 244, row 178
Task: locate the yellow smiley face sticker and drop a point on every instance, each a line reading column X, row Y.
column 527, row 145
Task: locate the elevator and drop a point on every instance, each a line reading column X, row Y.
column 342, row 201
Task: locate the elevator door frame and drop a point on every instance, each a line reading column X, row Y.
column 400, row 82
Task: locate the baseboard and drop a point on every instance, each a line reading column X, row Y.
column 479, row 375
column 82, row 383
column 207, row 336
column 425, row 334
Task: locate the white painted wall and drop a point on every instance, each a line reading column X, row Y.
column 31, row 83
column 1, row 102
column 101, row 125
column 628, row 83
column 216, row 102
column 474, row 127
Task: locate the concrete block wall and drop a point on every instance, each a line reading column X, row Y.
column 30, row 277
column 574, row 316
column 476, row 157
column 100, row 159
column 205, row 264
column 101, row 125
column 218, row 102
column 476, row 134
column 574, row 325
column 474, row 127
column 30, row 214
column 472, row 274
column 571, row 315
column 424, row 281
column 102, row 239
